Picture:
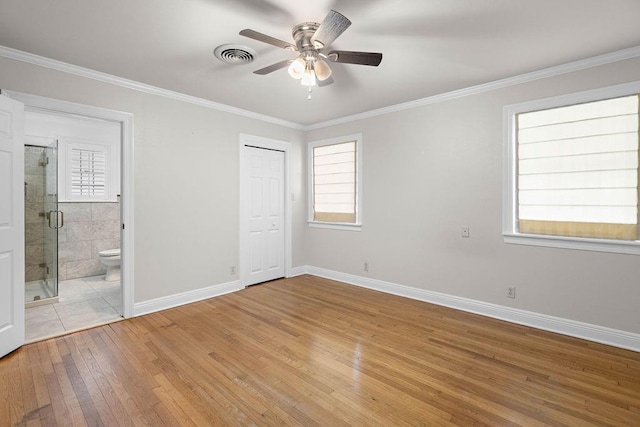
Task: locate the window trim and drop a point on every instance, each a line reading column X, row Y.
column 357, row 226
column 509, row 190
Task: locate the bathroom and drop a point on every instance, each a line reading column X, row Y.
column 72, row 223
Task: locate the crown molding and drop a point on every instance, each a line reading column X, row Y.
column 620, row 55
column 53, row 64
column 570, row 67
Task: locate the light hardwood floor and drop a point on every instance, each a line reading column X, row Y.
column 309, row 351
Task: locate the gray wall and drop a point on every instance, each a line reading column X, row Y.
column 431, row 170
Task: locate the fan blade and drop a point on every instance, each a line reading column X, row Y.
column 360, row 58
column 330, row 29
column 325, row 82
column 273, row 67
column 267, row 39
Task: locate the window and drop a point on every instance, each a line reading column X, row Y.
column 88, row 171
column 573, row 171
column 335, row 182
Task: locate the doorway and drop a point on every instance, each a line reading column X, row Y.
column 119, row 213
column 265, row 219
column 73, row 199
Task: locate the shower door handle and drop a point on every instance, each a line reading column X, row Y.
column 49, row 219
column 49, row 215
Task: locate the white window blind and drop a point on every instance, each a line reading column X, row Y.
column 86, row 174
column 578, row 170
column 88, row 169
column 335, row 182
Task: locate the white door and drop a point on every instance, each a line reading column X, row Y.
column 11, row 225
column 264, row 259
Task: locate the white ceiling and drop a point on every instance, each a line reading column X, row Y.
column 429, row 46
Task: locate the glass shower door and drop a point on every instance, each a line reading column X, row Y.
column 54, row 219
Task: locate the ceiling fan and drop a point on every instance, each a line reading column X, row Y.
column 312, row 42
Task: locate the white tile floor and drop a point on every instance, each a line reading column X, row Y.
column 83, row 303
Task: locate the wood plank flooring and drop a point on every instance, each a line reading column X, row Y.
column 310, row 351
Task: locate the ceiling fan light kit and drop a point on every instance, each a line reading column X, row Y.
column 312, row 40
column 303, row 67
column 308, row 78
column 323, row 71
column 297, row 67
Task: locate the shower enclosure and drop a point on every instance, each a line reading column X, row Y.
column 42, row 221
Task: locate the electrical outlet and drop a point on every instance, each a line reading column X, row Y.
column 233, row 269
column 465, row 231
column 511, row 292
column 366, row 266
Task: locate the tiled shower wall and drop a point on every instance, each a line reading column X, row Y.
column 88, row 229
column 34, row 205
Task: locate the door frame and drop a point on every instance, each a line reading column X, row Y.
column 40, row 103
column 267, row 144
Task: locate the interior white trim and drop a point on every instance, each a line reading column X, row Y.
column 269, row 144
column 53, row 64
column 126, row 199
column 620, row 55
column 171, row 301
column 608, row 58
column 335, row 225
column 600, row 334
column 299, row 271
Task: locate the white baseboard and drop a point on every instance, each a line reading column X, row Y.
column 176, row 300
column 298, row 271
column 600, row 334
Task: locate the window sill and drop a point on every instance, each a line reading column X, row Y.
column 335, row 225
column 87, row 201
column 597, row 245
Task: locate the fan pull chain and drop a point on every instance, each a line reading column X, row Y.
column 309, row 97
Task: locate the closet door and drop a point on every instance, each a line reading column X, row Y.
column 264, row 259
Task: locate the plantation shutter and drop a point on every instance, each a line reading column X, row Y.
column 578, row 170
column 334, row 182
column 88, row 171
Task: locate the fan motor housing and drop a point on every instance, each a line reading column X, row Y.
column 302, row 34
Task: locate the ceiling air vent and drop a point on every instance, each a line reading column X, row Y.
column 234, row 54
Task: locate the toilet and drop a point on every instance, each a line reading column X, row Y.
column 111, row 259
